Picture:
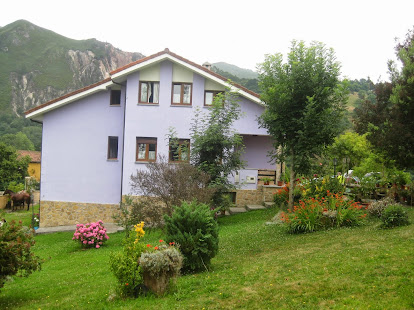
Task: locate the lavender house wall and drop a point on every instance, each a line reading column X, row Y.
column 74, row 152
column 154, row 121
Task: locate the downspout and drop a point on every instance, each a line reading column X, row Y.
column 40, row 179
column 123, row 141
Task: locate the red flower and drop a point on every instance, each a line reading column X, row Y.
column 148, row 245
column 172, row 243
column 156, row 248
column 161, row 240
column 126, row 284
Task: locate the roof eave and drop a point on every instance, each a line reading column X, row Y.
column 38, row 114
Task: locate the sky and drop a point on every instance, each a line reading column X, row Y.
column 242, row 32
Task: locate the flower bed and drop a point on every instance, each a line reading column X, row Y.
column 312, row 214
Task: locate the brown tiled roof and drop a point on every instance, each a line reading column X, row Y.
column 142, row 60
column 35, row 156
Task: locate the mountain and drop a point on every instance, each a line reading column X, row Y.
column 239, row 75
column 236, row 71
column 38, row 65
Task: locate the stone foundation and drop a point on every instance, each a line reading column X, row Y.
column 256, row 196
column 62, row 213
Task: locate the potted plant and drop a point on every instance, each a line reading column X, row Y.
column 266, row 180
column 160, row 266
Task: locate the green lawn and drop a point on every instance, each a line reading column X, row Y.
column 258, row 267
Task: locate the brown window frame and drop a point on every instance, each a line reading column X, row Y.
column 109, row 147
column 147, row 141
column 170, row 151
column 139, row 92
column 181, row 94
column 215, row 93
column 117, row 96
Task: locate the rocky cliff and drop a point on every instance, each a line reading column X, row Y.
column 39, row 65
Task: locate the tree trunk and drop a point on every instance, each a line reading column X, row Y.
column 292, row 181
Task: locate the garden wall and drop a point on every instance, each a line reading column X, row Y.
column 60, row 213
column 264, row 193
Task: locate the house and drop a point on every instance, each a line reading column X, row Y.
column 96, row 137
column 34, row 165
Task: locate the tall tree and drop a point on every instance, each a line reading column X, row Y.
column 388, row 119
column 216, row 148
column 304, row 103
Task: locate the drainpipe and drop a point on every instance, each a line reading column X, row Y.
column 123, row 140
column 40, row 179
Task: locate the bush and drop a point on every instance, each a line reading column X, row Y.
column 15, row 251
column 91, row 234
column 394, row 215
column 320, row 187
column 172, row 184
column 125, row 265
column 313, row 214
column 377, row 208
column 193, row 228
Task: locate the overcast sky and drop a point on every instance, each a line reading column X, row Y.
column 239, row 32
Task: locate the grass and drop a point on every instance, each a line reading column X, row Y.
column 258, row 267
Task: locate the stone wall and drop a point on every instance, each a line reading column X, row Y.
column 60, row 213
column 257, row 197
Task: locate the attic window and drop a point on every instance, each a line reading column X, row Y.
column 115, row 97
column 149, row 92
column 181, row 93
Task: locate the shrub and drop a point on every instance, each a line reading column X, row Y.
column 15, row 251
column 125, row 265
column 15, row 187
column 312, row 214
column 377, row 208
column 172, row 184
column 193, row 228
column 91, row 234
column 394, row 215
column 320, row 187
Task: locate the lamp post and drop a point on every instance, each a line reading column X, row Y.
column 335, row 161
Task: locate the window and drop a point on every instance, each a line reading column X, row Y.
column 115, row 97
column 112, row 147
column 146, row 149
column 209, row 96
column 149, row 92
column 181, row 93
column 179, row 150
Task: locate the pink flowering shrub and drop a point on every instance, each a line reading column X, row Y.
column 91, row 234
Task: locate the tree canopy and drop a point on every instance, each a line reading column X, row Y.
column 216, row 149
column 304, row 103
column 388, row 119
column 11, row 168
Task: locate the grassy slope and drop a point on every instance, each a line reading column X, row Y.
column 258, row 267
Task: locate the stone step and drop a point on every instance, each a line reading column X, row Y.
column 255, row 207
column 269, row 204
column 237, row 210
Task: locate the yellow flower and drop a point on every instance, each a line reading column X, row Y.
column 139, row 229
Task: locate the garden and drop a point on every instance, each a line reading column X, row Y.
column 257, row 266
